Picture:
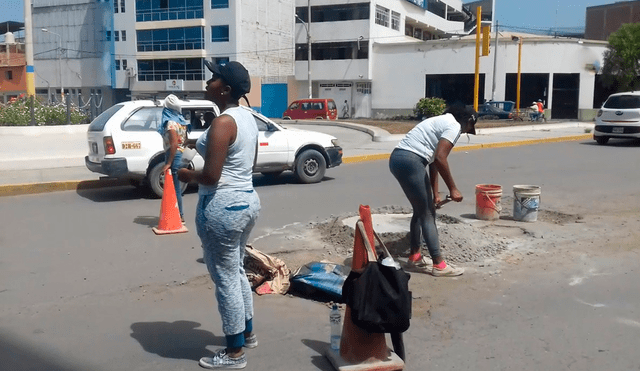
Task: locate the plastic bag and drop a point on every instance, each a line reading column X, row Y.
column 267, row 274
column 321, row 280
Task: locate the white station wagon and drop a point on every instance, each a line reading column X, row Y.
column 123, row 143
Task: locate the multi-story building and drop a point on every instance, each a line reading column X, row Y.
column 113, row 50
column 603, row 20
column 343, row 33
column 13, row 72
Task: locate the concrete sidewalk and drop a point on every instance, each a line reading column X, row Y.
column 39, row 159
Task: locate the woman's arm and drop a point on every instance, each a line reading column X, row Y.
column 173, row 147
column 433, row 178
column 221, row 135
column 442, row 165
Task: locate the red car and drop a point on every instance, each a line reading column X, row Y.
column 322, row 109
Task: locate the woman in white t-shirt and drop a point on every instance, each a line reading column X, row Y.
column 428, row 144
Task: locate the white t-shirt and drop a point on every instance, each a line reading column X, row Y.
column 423, row 138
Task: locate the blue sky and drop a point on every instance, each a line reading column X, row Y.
column 537, row 14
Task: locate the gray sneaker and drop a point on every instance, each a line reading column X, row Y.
column 424, row 265
column 449, row 271
column 251, row 341
column 222, row 360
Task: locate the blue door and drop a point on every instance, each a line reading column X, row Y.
column 274, row 100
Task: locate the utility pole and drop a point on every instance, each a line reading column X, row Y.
column 476, row 85
column 306, row 27
column 28, row 45
column 495, row 63
column 59, row 60
column 309, row 46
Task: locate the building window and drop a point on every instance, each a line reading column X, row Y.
column 417, row 33
column 124, row 64
column 334, row 13
column 8, row 75
column 164, row 39
column 189, row 69
column 115, row 6
column 108, row 35
column 124, row 35
column 395, row 21
column 164, row 10
column 220, row 60
column 218, row 4
column 220, row 33
column 116, row 35
column 122, row 6
column 117, row 65
column 334, row 51
column 382, row 16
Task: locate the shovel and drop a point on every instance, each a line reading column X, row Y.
column 444, row 202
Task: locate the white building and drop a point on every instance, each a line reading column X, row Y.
column 560, row 71
column 123, row 49
column 343, row 35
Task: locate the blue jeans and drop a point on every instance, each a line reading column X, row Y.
column 175, row 165
column 411, row 172
column 223, row 221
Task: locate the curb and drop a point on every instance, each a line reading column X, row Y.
column 35, row 188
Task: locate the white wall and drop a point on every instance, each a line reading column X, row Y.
column 399, row 70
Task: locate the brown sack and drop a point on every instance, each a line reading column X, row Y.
column 267, row 274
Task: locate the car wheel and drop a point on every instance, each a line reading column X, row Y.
column 602, row 140
column 319, row 118
column 156, row 180
column 286, row 118
column 310, row 166
column 272, row 174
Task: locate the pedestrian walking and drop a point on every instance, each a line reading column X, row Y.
column 428, row 144
column 174, row 129
column 228, row 207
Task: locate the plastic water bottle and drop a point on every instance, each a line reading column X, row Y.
column 335, row 319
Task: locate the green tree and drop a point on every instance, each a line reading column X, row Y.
column 622, row 58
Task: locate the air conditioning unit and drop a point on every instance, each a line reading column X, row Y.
column 131, row 72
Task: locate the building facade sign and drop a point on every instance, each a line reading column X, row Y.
column 174, row 85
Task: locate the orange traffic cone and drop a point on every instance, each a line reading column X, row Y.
column 361, row 350
column 169, row 213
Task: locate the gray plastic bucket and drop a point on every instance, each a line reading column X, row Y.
column 526, row 202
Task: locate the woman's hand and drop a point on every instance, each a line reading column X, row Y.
column 455, row 194
column 165, row 168
column 184, row 175
column 436, row 199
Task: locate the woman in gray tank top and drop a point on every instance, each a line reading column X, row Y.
column 228, row 208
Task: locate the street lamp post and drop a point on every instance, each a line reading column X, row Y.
column 519, row 40
column 306, row 27
column 59, row 60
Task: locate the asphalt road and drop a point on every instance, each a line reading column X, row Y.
column 85, row 284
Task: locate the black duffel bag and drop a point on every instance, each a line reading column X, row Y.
column 379, row 297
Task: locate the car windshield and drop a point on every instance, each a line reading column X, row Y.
column 623, row 101
column 98, row 123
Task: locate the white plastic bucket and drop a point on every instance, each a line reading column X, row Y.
column 526, row 202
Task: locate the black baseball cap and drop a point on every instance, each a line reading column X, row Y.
column 234, row 74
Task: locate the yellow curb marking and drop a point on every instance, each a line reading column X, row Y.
column 22, row 189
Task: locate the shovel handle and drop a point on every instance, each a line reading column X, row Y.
column 443, row 202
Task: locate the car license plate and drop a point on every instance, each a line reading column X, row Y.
column 131, row 145
column 617, row 130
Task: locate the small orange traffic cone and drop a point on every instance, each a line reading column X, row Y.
column 361, row 350
column 169, row 213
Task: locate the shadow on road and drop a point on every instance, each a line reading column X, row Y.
column 18, row 356
column 178, row 340
column 320, row 361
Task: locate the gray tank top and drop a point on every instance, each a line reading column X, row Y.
column 237, row 170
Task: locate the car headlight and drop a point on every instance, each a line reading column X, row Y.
column 599, row 113
column 335, row 142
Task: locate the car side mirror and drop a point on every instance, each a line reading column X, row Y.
column 271, row 127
